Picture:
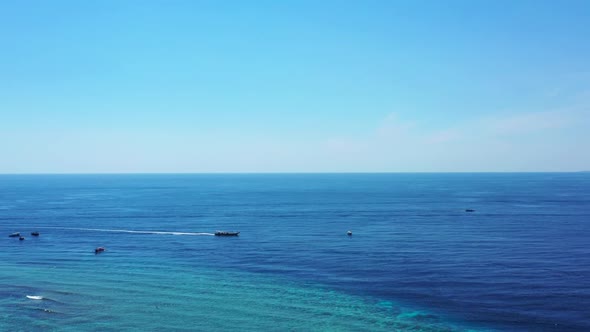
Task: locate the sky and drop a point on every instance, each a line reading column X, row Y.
column 294, row 86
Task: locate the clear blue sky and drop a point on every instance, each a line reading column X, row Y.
column 294, row 86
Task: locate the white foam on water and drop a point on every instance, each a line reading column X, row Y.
column 129, row 231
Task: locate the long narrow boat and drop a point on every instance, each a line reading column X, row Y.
column 14, row 235
column 224, row 233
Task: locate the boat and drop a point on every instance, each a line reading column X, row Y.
column 35, row 233
column 224, row 233
column 99, row 250
column 17, row 234
column 469, row 210
column 349, row 233
column 21, row 238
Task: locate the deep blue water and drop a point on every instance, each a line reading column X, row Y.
column 416, row 260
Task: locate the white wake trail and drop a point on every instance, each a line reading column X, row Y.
column 128, row 231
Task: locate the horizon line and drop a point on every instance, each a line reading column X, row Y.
column 276, row 173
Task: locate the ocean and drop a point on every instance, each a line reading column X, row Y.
column 416, row 260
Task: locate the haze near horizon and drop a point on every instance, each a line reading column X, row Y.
column 294, row 86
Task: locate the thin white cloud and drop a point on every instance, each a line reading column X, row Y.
column 532, row 141
column 524, row 123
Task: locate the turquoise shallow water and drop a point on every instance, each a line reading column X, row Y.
column 137, row 287
column 416, row 261
column 108, row 296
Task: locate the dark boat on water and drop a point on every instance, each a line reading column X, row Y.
column 14, row 235
column 99, row 250
column 469, row 210
column 35, row 233
column 223, row 233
